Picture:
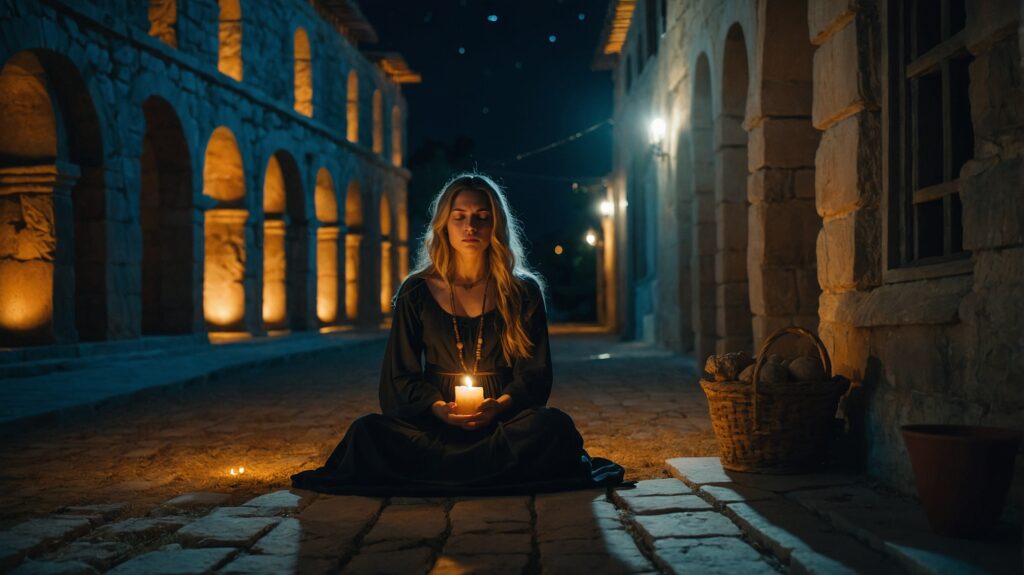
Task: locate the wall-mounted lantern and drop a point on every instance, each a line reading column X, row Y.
column 656, row 131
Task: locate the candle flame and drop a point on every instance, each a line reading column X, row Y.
column 233, row 472
column 467, row 381
column 241, row 470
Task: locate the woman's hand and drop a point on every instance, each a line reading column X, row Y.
column 489, row 409
column 446, row 413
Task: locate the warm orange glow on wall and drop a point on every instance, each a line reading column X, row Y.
column 28, row 127
column 303, row 74
column 273, row 188
column 325, row 202
column 353, row 206
column 223, row 175
column 387, row 290
column 352, row 264
column 378, row 123
column 327, row 274
column 163, row 16
column 26, row 294
column 326, row 207
column 396, row 136
column 403, row 262
column 275, row 293
column 229, row 55
column 353, row 107
column 224, row 267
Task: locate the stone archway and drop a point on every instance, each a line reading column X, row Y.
column 53, row 252
column 704, row 244
column 733, row 323
column 354, row 231
column 784, row 225
column 225, row 246
column 285, row 253
column 165, row 216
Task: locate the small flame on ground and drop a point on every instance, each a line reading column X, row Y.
column 238, row 471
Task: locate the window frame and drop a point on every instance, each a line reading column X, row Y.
column 898, row 159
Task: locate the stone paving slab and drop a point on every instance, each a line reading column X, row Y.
column 697, row 471
column 415, row 560
column 653, row 487
column 33, row 567
column 684, row 524
column 408, row 523
column 489, row 544
column 175, row 562
column 497, row 515
column 197, row 500
column 710, row 556
column 658, row 504
column 803, row 541
column 137, row 530
column 271, row 564
column 99, row 554
column 281, row 502
column 497, row 564
column 225, row 530
column 898, row 527
column 723, row 494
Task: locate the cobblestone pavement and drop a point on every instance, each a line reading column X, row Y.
column 147, row 487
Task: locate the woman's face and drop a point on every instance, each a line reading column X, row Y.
column 470, row 223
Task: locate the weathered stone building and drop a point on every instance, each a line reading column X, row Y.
column 851, row 166
column 171, row 167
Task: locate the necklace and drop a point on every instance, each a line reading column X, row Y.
column 472, row 285
column 479, row 335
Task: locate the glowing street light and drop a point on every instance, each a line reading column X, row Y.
column 607, row 208
column 591, row 238
column 656, row 130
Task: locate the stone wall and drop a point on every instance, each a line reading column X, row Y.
column 934, row 343
column 940, row 343
column 111, row 139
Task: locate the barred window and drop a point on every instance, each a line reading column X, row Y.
column 930, row 131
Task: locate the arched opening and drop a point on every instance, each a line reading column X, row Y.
column 165, row 204
column 53, row 254
column 327, row 235
column 733, row 319
column 224, row 259
column 784, row 224
column 387, row 288
column 704, row 229
column 163, row 20
column 285, row 266
column 353, row 245
column 396, row 136
column 352, row 111
column 378, row 123
column 229, row 53
column 303, row 74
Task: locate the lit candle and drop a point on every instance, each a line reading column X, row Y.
column 467, row 397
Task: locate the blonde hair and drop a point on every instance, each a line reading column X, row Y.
column 506, row 257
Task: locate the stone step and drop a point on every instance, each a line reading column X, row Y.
column 830, row 523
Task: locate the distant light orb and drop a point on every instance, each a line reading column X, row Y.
column 462, row 50
column 486, row 110
column 552, row 38
column 492, row 18
column 591, row 238
column 519, row 65
column 581, row 16
column 559, row 249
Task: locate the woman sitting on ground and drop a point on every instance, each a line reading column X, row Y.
column 473, row 308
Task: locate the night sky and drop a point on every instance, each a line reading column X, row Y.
column 512, row 76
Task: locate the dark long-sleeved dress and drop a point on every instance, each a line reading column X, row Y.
column 406, row 450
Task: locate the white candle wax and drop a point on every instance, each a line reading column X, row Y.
column 468, row 398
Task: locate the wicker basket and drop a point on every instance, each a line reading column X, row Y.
column 775, row 427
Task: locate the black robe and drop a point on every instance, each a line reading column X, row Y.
column 406, row 450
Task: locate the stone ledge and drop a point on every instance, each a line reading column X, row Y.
column 932, row 302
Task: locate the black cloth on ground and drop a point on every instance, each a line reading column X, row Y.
column 406, row 450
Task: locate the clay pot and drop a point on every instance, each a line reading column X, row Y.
column 962, row 474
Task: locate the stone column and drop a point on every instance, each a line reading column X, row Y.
column 327, row 274
column 386, row 276
column 732, row 312
column 275, row 272
column 353, row 262
column 37, row 291
column 224, row 269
